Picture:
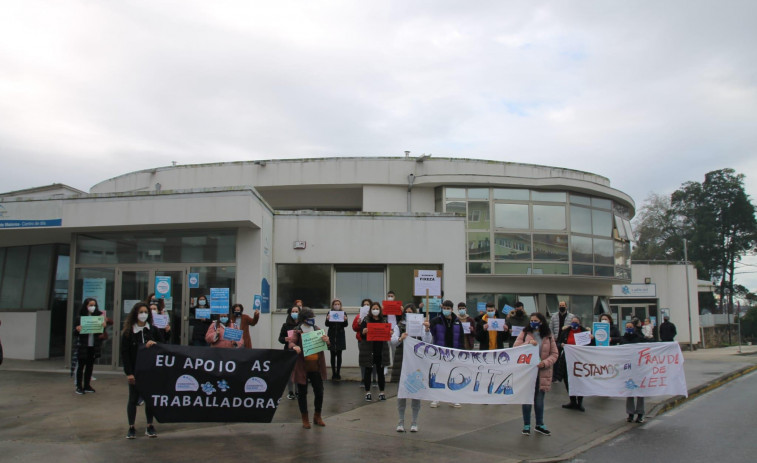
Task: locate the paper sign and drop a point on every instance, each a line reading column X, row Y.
column 392, row 307
column 379, row 332
column 515, row 331
column 653, row 320
column 481, row 306
column 364, row 311
column 95, row 288
column 583, row 338
column 414, row 324
column 507, row 309
column 430, row 280
column 194, row 280
column 466, row 327
column 91, row 325
column 232, row 334
column 312, row 342
column 496, row 324
column 336, row 316
column 392, row 319
column 290, row 334
column 202, row 314
column 434, row 304
column 257, row 302
column 160, row 321
column 162, row 287
column 601, row 333
column 129, row 304
column 219, row 301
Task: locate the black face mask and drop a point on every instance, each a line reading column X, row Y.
column 237, row 314
column 563, row 309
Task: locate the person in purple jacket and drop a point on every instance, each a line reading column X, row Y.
column 447, row 331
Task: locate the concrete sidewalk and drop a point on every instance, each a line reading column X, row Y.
column 41, row 417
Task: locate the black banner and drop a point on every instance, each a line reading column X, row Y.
column 204, row 384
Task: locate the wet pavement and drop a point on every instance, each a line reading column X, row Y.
column 42, row 418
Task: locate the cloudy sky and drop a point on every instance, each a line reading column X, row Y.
column 648, row 93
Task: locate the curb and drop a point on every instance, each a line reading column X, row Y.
column 658, row 409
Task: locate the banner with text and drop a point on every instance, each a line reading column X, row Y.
column 505, row 376
column 630, row 370
column 197, row 384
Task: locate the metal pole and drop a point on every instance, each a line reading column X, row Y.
column 688, row 291
column 739, row 315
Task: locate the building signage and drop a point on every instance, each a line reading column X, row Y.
column 22, row 215
column 634, row 290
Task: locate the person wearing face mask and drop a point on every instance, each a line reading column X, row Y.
column 633, row 335
column 614, row 333
column 199, row 325
column 519, row 318
column 559, row 320
column 567, row 336
column 244, row 322
column 446, row 331
column 137, row 332
column 377, row 353
column 311, row 368
column 214, row 336
column 88, row 346
column 491, row 340
column 289, row 325
column 338, row 341
column 363, row 347
column 469, row 340
column 537, row 333
column 157, row 306
column 399, row 334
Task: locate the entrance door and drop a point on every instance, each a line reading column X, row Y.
column 177, row 309
column 132, row 286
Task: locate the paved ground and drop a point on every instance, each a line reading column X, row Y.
column 41, row 417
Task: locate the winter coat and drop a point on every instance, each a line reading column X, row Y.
column 131, row 342
column 299, row 374
column 614, row 335
column 219, row 328
column 547, row 354
column 483, row 335
column 469, row 339
column 554, row 324
column 245, row 325
column 515, row 320
column 632, row 338
column 667, row 332
column 83, row 339
column 365, row 354
column 336, row 334
column 438, row 330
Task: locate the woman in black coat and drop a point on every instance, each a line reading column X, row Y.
column 614, row 333
column 633, row 335
column 88, row 346
column 338, row 340
column 289, row 325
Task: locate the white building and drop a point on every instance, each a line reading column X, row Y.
column 310, row 229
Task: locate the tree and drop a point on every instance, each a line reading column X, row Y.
column 657, row 236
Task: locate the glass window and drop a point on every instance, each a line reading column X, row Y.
column 13, row 277
column 578, row 199
column 581, row 249
column 550, row 247
column 601, row 223
column 553, row 302
column 622, row 254
column 583, row 308
column 511, row 194
column 512, row 246
column 456, row 206
column 478, row 246
column 529, row 302
column 580, row 220
column 473, row 299
column 511, row 216
column 621, row 210
column 604, row 252
column 38, row 277
column 478, row 193
column 401, row 281
column 503, row 299
column 502, row 268
column 629, row 230
column 602, row 271
column 478, row 215
column 353, row 284
column 479, row 267
column 549, row 217
column 621, row 229
column 454, row 193
column 102, row 287
column 551, row 196
column 309, row 282
column 541, row 268
column 2, row 264
column 601, row 203
column 580, row 269
column 624, row 273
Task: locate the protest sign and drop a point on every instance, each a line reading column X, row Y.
column 202, row 314
column 414, row 324
column 601, row 333
column 91, row 325
column 507, row 309
column 516, row 330
column 630, row 370
column 504, row 376
column 496, row 324
column 160, row 321
column 364, row 311
column 427, row 283
column 219, row 301
column 232, row 334
column 466, row 327
column 197, row 384
column 392, row 307
column 434, row 304
column 379, row 331
column 583, row 338
column 336, row 316
column 312, row 342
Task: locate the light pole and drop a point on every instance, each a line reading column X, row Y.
column 727, row 292
column 688, row 291
column 739, row 315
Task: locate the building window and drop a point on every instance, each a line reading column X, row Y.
column 511, row 194
column 512, row 216
column 355, row 283
column 310, row 283
column 580, row 220
column 551, row 247
column 512, row 246
column 478, row 246
column 478, row 215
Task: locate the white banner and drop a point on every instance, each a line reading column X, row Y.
column 630, row 370
column 505, row 376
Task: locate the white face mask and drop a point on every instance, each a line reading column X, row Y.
column 462, row 312
column 375, row 312
column 202, row 302
column 91, row 308
column 389, row 298
column 490, row 314
column 142, row 316
column 337, row 307
column 154, row 312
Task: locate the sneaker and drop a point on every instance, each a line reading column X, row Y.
column 401, row 427
column 640, row 419
column 526, row 430
column 414, row 428
column 291, row 396
column 131, row 433
column 455, row 405
column 89, row 389
column 150, row 431
column 541, row 429
column 79, row 391
column 382, row 396
column 368, row 397
column 630, row 418
column 140, row 401
column 434, row 404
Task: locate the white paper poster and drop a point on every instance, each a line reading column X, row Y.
column 496, row 324
column 516, row 330
column 583, row 338
column 504, row 376
column 630, row 370
column 414, row 324
column 336, row 316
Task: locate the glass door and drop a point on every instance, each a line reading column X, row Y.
column 173, row 281
column 132, row 286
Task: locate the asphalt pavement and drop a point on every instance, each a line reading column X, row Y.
column 42, row 418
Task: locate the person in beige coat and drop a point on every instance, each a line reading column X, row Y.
column 537, row 333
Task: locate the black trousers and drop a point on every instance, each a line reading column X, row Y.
column 302, row 392
column 378, row 364
column 336, row 361
column 131, row 406
column 84, row 369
